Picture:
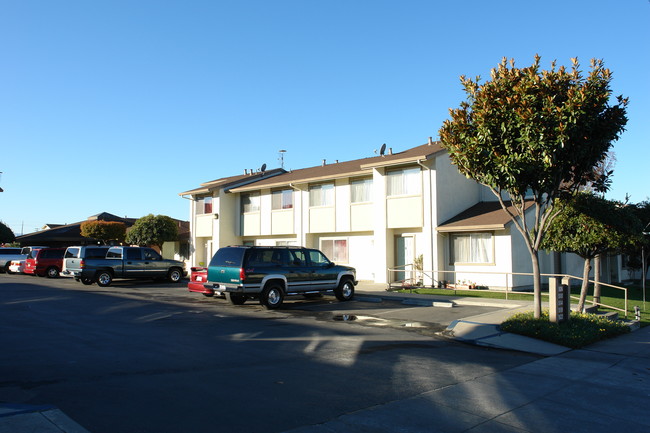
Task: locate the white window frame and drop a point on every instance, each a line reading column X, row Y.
column 200, row 205
column 405, row 181
column 469, row 248
column 361, row 190
column 282, row 194
column 321, row 195
column 254, row 202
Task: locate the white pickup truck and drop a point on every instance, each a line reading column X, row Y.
column 8, row 254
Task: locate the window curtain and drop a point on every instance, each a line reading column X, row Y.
column 360, row 190
column 321, row 195
column 404, row 182
column 282, row 199
column 473, row 248
column 250, row 203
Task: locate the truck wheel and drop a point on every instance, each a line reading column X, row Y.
column 86, row 281
column 236, row 298
column 52, row 272
column 272, row 296
column 104, row 278
column 174, row 275
column 345, row 290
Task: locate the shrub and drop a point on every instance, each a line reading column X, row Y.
column 581, row 330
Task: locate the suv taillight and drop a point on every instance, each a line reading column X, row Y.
column 242, row 274
column 82, row 264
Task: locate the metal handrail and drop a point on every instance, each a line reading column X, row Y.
column 507, row 275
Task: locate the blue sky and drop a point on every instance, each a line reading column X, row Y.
column 117, row 106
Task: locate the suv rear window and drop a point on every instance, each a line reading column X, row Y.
column 228, row 257
column 7, row 251
column 72, row 253
column 96, row 253
column 51, row 254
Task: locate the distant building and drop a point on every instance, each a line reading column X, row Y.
column 65, row 235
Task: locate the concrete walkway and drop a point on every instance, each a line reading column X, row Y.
column 21, row 418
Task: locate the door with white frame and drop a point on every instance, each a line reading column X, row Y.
column 404, row 257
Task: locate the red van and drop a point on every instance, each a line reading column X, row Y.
column 45, row 262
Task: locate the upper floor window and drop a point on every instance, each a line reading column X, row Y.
column 361, row 190
column 250, row 202
column 282, row 199
column 204, row 205
column 472, row 248
column 404, row 182
column 321, row 195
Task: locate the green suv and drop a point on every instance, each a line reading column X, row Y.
column 271, row 273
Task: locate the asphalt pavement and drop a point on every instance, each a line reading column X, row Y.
column 604, row 387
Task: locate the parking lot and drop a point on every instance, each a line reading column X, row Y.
column 151, row 357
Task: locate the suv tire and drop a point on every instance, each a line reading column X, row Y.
column 52, row 272
column 272, row 296
column 345, row 290
column 236, row 298
column 175, row 275
column 104, row 278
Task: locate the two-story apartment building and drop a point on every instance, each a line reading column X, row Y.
column 377, row 214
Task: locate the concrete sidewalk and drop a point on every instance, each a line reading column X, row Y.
column 602, row 388
column 20, row 418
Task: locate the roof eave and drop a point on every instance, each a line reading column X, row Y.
column 471, row 228
column 289, row 182
column 400, row 161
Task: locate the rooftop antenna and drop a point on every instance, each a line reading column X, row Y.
column 263, row 168
column 382, row 150
column 281, row 158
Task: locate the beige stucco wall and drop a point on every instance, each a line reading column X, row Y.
column 322, row 219
column 282, row 222
column 404, row 212
column 361, row 217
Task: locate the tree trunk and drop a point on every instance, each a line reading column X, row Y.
column 585, row 285
column 537, row 286
column 597, row 261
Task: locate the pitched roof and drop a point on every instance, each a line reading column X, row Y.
column 483, row 216
column 344, row 169
column 233, row 181
column 68, row 234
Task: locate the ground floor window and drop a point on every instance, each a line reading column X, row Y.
column 335, row 249
column 472, row 248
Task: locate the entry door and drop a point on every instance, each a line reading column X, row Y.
column 404, row 255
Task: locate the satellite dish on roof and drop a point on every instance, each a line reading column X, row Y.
column 383, row 149
column 263, row 169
